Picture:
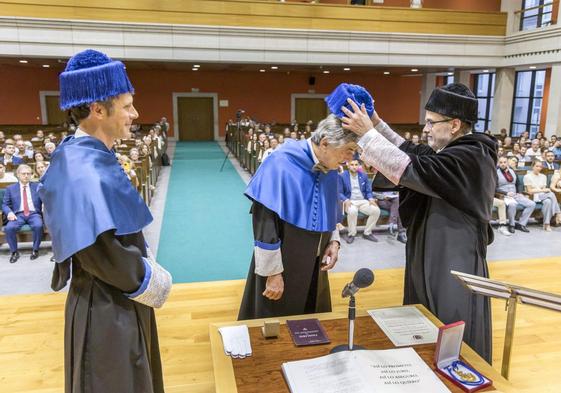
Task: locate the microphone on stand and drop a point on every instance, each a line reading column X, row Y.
column 363, row 278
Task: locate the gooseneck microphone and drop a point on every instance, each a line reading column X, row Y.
column 363, row 278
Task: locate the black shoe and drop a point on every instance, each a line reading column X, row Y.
column 402, row 237
column 522, row 228
column 14, row 257
column 511, row 228
column 350, row 239
column 34, row 255
column 371, row 237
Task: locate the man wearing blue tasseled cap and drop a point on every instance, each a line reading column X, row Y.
column 446, row 194
column 95, row 218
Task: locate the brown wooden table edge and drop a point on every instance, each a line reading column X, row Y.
column 225, row 381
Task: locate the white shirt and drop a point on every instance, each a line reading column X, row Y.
column 8, row 178
column 356, row 193
column 29, row 199
column 80, row 133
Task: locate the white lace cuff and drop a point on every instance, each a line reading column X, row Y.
column 155, row 287
column 383, row 128
column 268, row 259
column 380, row 153
column 335, row 236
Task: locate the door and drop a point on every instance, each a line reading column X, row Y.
column 195, row 118
column 54, row 115
column 314, row 109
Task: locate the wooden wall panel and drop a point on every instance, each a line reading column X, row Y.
column 267, row 14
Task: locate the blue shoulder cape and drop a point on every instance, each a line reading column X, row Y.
column 286, row 184
column 85, row 192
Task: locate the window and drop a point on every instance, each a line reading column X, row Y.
column 527, row 104
column 532, row 17
column 448, row 79
column 484, row 87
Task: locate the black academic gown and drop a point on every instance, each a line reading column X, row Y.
column 111, row 342
column 306, row 287
column 445, row 203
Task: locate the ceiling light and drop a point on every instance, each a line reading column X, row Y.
column 532, row 67
column 485, row 70
column 326, row 72
column 274, row 68
column 386, row 72
column 194, row 69
column 261, row 70
column 414, row 70
column 196, row 66
column 23, row 61
column 346, row 69
column 450, row 73
column 46, row 66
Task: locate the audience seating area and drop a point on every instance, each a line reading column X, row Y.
column 140, row 156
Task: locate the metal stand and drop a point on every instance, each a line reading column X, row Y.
column 513, row 294
column 509, row 334
column 228, row 152
column 350, row 346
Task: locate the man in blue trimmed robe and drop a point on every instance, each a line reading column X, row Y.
column 295, row 211
column 95, row 218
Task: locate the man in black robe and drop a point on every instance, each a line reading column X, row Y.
column 446, row 193
column 95, row 218
column 295, row 211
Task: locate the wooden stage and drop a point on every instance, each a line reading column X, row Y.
column 31, row 330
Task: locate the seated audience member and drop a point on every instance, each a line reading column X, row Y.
column 302, row 137
column 534, row 150
column 501, row 210
column 281, row 139
column 6, row 177
column 507, row 143
column 22, row 205
column 513, row 162
column 500, row 152
column 522, row 158
column 38, row 156
column 2, row 136
column 507, row 183
column 555, row 183
column 19, row 148
column 415, row 139
column 274, row 143
column 503, row 134
column 28, row 150
column 40, row 168
column 286, row 133
column 293, row 135
column 356, row 195
column 425, row 136
column 515, row 151
column 525, row 135
column 39, row 135
column 8, row 157
column 407, row 136
column 134, row 154
column 549, row 161
column 536, row 185
column 128, row 167
column 264, row 147
column 49, row 148
column 389, row 200
column 17, row 137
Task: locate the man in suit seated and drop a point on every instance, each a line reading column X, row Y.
column 9, row 155
column 355, row 192
column 22, row 205
column 549, row 161
column 507, row 187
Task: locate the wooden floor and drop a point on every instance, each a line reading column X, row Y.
column 31, row 330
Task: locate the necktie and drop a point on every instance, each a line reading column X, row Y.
column 25, row 203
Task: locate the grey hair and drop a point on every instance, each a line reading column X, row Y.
column 332, row 129
column 21, row 167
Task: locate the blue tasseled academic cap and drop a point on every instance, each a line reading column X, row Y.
column 358, row 94
column 92, row 76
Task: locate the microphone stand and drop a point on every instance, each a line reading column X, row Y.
column 352, row 315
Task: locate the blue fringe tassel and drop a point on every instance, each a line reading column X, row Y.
column 98, row 83
column 358, row 94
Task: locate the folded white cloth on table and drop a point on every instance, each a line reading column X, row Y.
column 235, row 340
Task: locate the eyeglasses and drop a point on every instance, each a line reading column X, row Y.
column 429, row 123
